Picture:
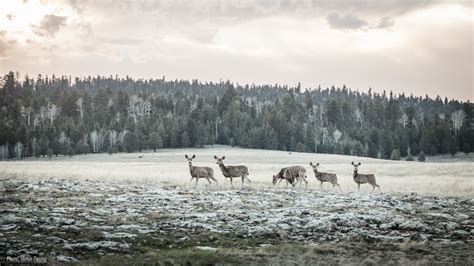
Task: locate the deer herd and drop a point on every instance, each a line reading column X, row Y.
column 292, row 174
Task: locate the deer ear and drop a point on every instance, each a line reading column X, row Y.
column 352, row 163
column 360, row 163
column 223, row 157
column 317, row 164
column 215, row 157
column 194, row 156
column 186, row 156
column 311, row 163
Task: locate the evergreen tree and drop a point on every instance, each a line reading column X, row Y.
column 358, row 149
column 395, row 155
column 70, row 151
column 50, row 153
column 453, row 146
column 466, row 148
column 155, row 141
column 421, row 156
column 130, row 142
column 185, row 140
column 299, row 147
column 339, row 149
column 410, row 158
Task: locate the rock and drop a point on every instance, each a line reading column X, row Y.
column 63, row 258
column 112, row 245
column 206, row 248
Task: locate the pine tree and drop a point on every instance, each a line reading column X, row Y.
column 358, row 149
column 339, row 149
column 299, row 147
column 421, row 156
column 155, row 141
column 395, row 155
column 453, row 146
column 466, row 148
column 70, row 151
column 185, row 140
column 129, row 142
column 50, row 153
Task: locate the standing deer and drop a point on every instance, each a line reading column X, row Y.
column 199, row 171
column 232, row 171
column 324, row 177
column 363, row 178
column 292, row 175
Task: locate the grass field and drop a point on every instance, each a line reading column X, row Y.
column 438, row 176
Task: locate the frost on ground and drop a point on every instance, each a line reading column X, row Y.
column 101, row 221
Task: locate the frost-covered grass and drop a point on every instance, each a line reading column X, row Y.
column 440, row 175
column 100, row 222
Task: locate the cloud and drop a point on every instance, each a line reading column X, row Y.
column 49, row 25
column 5, row 44
column 344, row 21
column 385, row 22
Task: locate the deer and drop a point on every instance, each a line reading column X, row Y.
column 231, row 171
column 363, row 178
column 324, row 177
column 292, row 175
column 199, row 171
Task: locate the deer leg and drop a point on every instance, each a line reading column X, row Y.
column 231, row 182
column 339, row 186
column 248, row 179
column 306, row 182
column 378, row 188
column 358, row 186
column 321, row 185
column 243, row 178
column 208, row 180
column 332, row 187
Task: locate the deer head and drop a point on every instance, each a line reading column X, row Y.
column 190, row 159
column 356, row 166
column 314, row 166
column 275, row 179
column 219, row 160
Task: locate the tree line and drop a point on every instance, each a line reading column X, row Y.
column 51, row 116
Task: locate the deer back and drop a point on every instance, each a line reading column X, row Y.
column 199, row 171
column 325, row 177
column 364, row 178
column 234, row 170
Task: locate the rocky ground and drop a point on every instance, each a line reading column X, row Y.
column 106, row 222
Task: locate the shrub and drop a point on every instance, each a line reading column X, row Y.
column 410, row 158
column 421, row 156
column 395, row 155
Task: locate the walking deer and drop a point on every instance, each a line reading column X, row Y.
column 324, row 177
column 231, row 171
column 199, row 171
column 363, row 178
column 292, row 175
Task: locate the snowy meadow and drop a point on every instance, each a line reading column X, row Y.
column 141, row 207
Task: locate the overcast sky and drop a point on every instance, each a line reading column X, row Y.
column 419, row 47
